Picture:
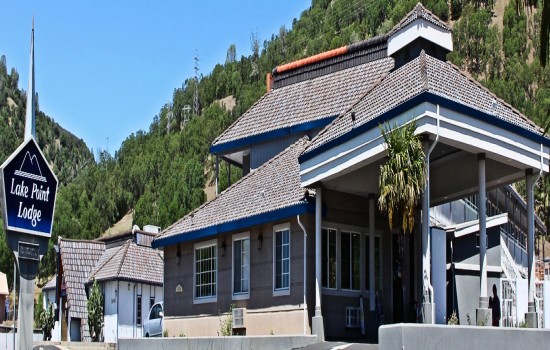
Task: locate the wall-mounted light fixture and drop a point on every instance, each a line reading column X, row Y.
column 223, row 246
column 260, row 241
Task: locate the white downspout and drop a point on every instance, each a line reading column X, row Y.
column 426, row 217
column 305, row 273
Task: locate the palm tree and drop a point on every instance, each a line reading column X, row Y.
column 402, row 177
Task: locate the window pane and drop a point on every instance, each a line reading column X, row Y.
column 345, row 253
column 205, row 272
column 356, row 261
column 282, row 259
column 324, row 260
column 332, row 259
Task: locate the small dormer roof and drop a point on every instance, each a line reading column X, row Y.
column 420, row 23
column 419, row 12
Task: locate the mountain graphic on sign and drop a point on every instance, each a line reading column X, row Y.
column 30, row 168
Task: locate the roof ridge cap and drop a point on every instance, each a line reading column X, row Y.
column 127, row 246
column 105, row 262
column 375, row 84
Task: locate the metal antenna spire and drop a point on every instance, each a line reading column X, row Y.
column 30, row 116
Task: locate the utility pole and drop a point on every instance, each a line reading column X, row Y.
column 196, row 94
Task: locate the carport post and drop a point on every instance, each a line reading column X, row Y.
column 531, row 318
column 483, row 313
column 317, row 321
column 427, row 305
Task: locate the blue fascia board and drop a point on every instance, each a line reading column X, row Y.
column 239, row 224
column 270, row 135
column 409, row 104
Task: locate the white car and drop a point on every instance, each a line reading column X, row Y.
column 153, row 326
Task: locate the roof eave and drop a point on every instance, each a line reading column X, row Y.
column 258, row 219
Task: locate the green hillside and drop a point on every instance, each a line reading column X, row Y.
column 161, row 173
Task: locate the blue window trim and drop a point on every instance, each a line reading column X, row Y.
column 239, row 224
column 271, row 135
column 421, row 98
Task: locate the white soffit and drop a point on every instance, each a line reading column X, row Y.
column 420, row 28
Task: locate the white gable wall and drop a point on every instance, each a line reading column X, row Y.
column 123, row 311
column 420, row 28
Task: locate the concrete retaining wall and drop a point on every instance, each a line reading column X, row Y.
column 422, row 337
column 227, row 343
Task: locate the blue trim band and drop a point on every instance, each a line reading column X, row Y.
column 255, row 220
column 421, row 98
column 271, row 135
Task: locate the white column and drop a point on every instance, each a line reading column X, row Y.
column 530, row 238
column 372, row 270
column 318, row 250
column 426, row 229
column 482, row 216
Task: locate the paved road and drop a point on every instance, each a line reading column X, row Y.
column 341, row 346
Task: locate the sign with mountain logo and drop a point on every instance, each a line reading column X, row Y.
column 29, row 188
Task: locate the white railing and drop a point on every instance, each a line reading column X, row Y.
column 539, row 302
column 508, row 297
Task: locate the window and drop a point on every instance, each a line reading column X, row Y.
column 282, row 258
column 206, row 271
column 138, row 313
column 241, row 265
column 151, row 302
column 353, row 317
column 329, row 258
column 350, row 252
column 377, row 263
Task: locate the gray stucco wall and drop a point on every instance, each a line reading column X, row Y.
column 425, row 337
column 261, row 273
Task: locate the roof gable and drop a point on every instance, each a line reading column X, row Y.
column 130, row 262
column 423, row 74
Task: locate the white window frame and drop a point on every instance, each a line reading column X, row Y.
column 351, row 233
column 326, row 273
column 365, row 235
column 279, row 228
column 244, row 295
column 202, row 245
column 377, row 234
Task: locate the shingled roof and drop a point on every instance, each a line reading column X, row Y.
column 78, row 258
column 260, row 195
column 423, row 74
column 419, row 12
column 130, row 262
column 50, row 284
column 311, row 100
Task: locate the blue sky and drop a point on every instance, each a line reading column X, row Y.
column 105, row 68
